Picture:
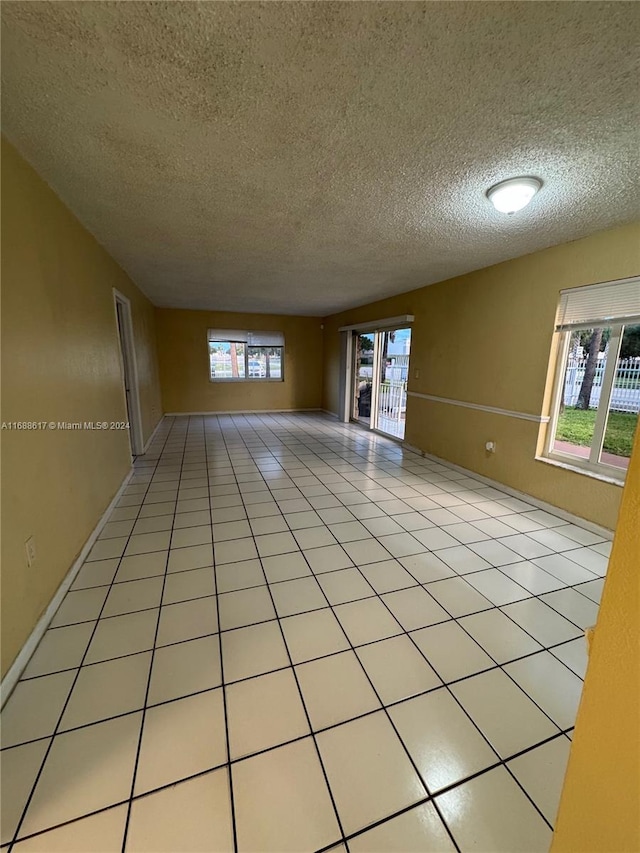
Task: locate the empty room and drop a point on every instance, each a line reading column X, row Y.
column 320, row 386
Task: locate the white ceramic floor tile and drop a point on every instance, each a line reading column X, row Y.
column 18, row 771
column 194, row 557
column 185, row 668
column 86, row 770
column 193, row 815
column 141, row 566
column 329, row 558
column 284, row 567
column 566, row 570
column 397, row 669
column 107, row 689
column 531, row 577
column 497, row 587
column 335, row 689
column 387, row 576
column 367, row 620
column 245, row 607
column 508, row 719
column 541, row 773
column 366, row 551
column 574, row 655
column 312, row 635
column 184, row 586
column 418, row 829
column 252, row 651
column 282, row 802
column 368, row 784
column 187, row 620
column 100, row 833
column 264, row 712
column 450, row 651
column 348, row 523
column 462, row 559
column 543, row 623
column 573, row 606
column 490, row 813
column 180, row 739
column 345, row 585
column 82, row 605
column 443, row 742
column 457, row 596
column 551, row 684
column 426, row 567
column 132, row 596
column 60, row 648
column 98, row 573
column 414, row 608
column 592, row 589
column 33, row 709
column 499, row 636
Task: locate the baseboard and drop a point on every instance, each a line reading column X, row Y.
column 238, row 412
column 524, row 496
column 330, row 413
column 152, row 436
column 17, row 667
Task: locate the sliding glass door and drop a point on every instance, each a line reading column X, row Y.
column 381, row 371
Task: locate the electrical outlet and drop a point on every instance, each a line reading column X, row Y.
column 416, row 374
column 30, row 547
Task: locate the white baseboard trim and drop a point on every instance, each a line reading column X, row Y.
column 524, row 496
column 238, row 412
column 152, row 436
column 17, row 667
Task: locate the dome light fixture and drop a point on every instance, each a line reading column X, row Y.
column 514, row 194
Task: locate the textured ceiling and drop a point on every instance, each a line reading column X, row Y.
column 307, row 157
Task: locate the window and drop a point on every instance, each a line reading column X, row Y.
column 597, row 392
column 236, row 355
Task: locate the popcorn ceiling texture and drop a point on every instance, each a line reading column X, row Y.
column 308, row 157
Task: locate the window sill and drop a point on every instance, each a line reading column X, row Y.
column 577, row 469
column 214, row 381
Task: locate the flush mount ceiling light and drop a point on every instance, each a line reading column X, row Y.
column 514, row 194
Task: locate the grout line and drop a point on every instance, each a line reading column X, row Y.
column 55, row 731
column 288, row 461
column 184, row 432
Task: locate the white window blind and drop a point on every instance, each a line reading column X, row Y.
column 597, row 305
column 253, row 339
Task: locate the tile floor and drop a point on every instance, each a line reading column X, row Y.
column 292, row 635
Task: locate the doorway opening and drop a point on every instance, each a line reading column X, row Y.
column 129, row 373
column 380, row 375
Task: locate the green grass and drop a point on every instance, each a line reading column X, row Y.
column 576, row 426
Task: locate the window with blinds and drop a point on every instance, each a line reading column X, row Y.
column 237, row 355
column 597, row 391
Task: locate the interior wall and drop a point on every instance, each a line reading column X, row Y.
column 61, row 363
column 486, row 338
column 184, row 363
column 600, row 803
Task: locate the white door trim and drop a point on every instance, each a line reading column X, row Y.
column 128, row 365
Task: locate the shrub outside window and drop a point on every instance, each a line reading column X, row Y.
column 237, row 355
column 597, row 391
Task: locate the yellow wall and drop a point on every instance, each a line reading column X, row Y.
column 600, row 804
column 486, row 338
column 60, row 362
column 184, row 363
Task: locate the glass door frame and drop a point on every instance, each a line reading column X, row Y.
column 352, row 375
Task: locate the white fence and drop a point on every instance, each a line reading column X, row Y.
column 392, row 399
column 626, row 388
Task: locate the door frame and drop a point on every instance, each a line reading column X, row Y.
column 129, row 371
